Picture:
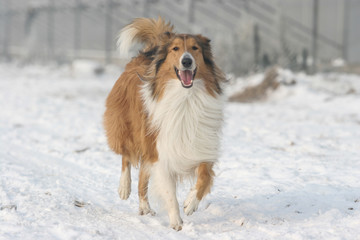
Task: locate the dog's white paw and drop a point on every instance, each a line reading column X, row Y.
column 191, row 203
column 144, row 208
column 124, row 191
column 124, row 186
column 176, row 223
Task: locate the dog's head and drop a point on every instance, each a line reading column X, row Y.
column 185, row 57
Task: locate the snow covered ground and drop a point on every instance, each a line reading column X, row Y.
column 289, row 169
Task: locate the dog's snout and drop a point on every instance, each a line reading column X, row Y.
column 186, row 62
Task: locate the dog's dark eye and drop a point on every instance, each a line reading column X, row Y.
column 195, row 48
column 175, row 48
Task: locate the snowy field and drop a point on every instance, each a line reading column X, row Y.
column 289, row 168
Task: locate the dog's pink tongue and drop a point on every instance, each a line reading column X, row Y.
column 186, row 77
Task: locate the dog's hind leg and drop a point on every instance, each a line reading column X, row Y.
column 204, row 182
column 144, row 207
column 125, row 179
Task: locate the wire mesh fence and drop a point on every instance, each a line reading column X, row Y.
column 246, row 34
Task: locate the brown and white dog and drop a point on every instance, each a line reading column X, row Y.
column 164, row 113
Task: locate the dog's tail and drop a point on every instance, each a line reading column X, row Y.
column 142, row 30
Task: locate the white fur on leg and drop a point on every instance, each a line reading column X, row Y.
column 165, row 186
column 144, row 208
column 191, row 203
column 175, row 220
column 125, row 184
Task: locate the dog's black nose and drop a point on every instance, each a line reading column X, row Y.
column 186, row 62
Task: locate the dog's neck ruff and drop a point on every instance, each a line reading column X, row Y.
column 188, row 122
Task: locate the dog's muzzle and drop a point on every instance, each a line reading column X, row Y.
column 186, row 73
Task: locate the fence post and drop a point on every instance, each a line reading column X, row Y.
column 304, row 66
column 7, row 29
column 257, row 45
column 2, row 19
column 146, row 8
column 191, row 18
column 315, row 35
column 77, row 28
column 345, row 30
column 50, row 29
column 108, row 32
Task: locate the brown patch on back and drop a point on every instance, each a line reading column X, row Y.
column 125, row 120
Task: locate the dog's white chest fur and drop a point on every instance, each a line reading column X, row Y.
column 188, row 123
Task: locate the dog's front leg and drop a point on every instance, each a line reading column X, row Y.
column 144, row 207
column 165, row 186
column 125, row 179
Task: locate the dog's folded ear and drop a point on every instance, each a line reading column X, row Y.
column 204, row 43
column 165, row 37
column 203, row 39
column 168, row 34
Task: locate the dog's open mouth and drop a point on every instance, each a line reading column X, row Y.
column 186, row 77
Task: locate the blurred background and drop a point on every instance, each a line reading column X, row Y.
column 247, row 35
